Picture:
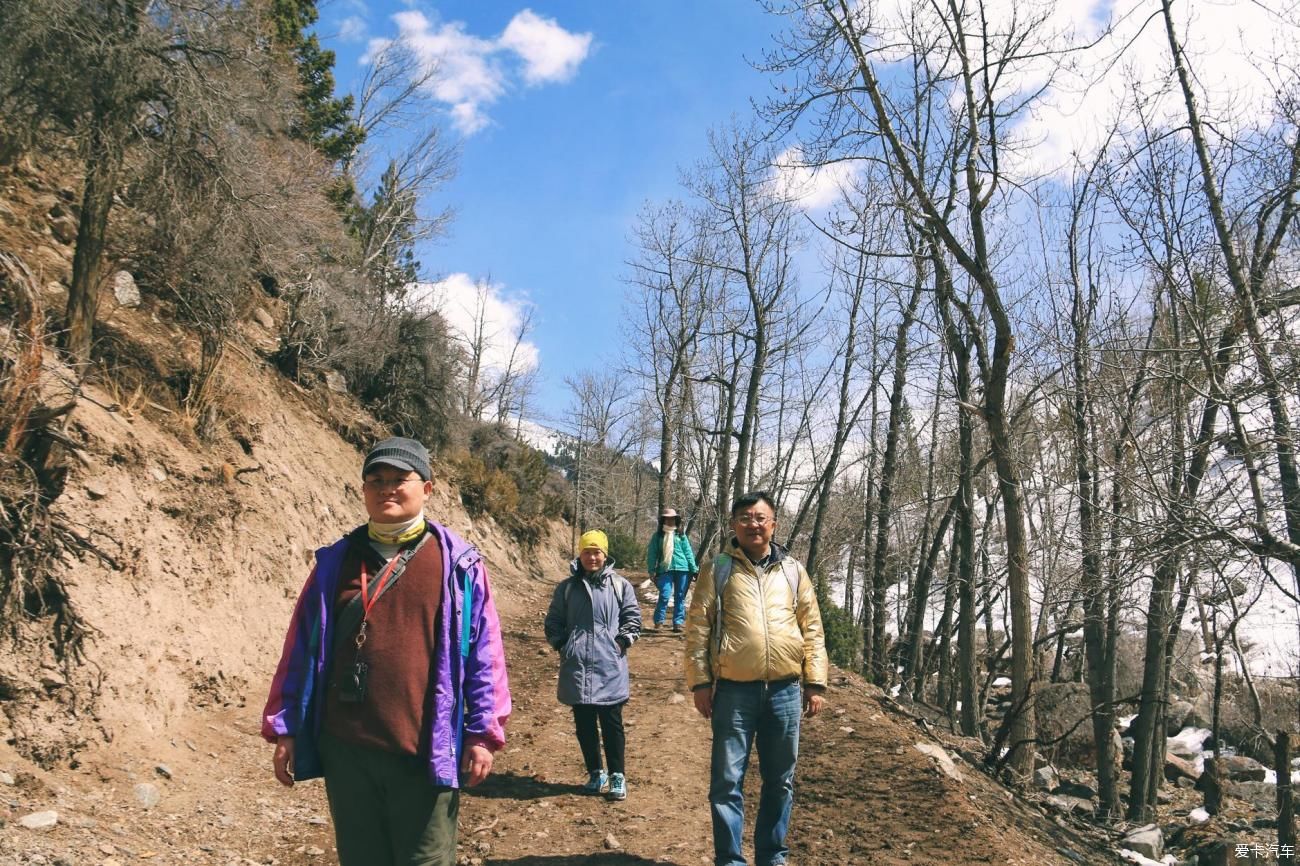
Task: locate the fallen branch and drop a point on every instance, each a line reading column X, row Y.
column 67, row 535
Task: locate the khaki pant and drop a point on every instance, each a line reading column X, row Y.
column 385, row 810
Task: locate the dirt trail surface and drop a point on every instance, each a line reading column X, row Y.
column 864, row 793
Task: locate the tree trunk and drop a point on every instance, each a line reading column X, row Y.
column 724, row 452
column 913, row 671
column 749, row 419
column 1285, row 805
column 1022, row 651
column 1212, row 781
column 965, row 545
column 880, row 582
column 843, row 422
column 92, row 231
column 946, row 692
column 848, row 581
column 869, row 501
column 1100, row 665
column 1184, row 482
column 667, row 445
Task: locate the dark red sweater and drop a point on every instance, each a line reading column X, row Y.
column 399, row 649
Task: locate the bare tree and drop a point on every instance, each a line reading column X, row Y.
column 752, row 219
column 514, row 382
column 673, row 295
column 394, row 110
column 942, row 132
column 853, row 270
column 118, row 75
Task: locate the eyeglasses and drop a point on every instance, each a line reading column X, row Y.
column 381, row 484
column 753, row 519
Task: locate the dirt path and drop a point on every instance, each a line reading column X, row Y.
column 864, row 794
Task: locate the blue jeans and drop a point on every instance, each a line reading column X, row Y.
column 672, row 583
column 743, row 712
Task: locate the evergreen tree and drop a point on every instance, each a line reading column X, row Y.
column 326, row 120
column 386, row 231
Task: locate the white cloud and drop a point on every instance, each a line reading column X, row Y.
column 473, row 72
column 1231, row 46
column 467, row 78
column 465, row 303
column 352, row 29
column 550, row 52
column 811, row 187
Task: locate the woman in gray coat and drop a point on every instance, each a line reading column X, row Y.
column 592, row 622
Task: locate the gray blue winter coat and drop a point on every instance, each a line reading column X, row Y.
column 592, row 622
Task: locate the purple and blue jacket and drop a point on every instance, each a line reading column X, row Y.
column 471, row 694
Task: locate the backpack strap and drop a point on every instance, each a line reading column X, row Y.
column 621, row 583
column 792, row 578
column 568, row 588
column 722, row 568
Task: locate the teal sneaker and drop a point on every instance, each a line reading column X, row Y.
column 595, row 782
column 617, row 787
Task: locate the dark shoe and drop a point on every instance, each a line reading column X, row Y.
column 677, row 629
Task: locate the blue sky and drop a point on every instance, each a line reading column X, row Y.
column 592, row 116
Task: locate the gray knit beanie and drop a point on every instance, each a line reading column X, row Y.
column 400, row 452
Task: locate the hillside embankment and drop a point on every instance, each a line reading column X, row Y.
column 186, row 519
column 192, row 557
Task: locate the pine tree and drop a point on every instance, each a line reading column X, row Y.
column 326, row 120
column 386, row 230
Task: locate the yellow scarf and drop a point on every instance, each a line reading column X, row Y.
column 397, row 533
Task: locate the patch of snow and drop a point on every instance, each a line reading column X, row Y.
column 894, row 692
column 1001, row 682
column 1191, row 740
column 1198, row 815
column 1135, row 857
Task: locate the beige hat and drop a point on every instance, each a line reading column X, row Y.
column 669, row 512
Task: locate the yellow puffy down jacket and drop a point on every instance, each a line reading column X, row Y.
column 766, row 634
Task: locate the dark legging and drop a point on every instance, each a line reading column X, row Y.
column 611, row 727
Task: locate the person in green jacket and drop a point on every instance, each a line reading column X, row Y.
column 671, row 562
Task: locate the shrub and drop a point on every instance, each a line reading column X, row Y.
column 510, row 481
column 407, row 384
column 843, row 638
column 625, row 551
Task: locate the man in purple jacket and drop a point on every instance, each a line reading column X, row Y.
column 392, row 682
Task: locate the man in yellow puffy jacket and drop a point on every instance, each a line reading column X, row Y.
column 755, row 654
